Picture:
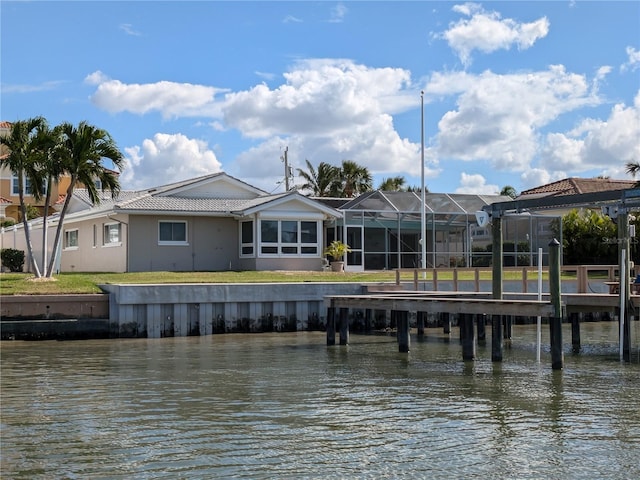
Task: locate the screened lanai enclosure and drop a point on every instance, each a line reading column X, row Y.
column 383, row 231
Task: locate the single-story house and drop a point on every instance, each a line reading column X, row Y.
column 214, row 222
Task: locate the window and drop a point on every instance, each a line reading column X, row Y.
column 111, row 234
column 172, row 233
column 289, row 237
column 71, row 239
column 269, row 236
column 27, row 186
column 246, row 238
column 95, row 235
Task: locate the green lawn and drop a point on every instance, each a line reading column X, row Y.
column 79, row 283
column 76, row 283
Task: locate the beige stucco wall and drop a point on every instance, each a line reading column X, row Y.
column 90, row 258
column 212, row 245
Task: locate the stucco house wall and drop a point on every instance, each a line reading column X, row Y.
column 212, row 244
column 92, row 254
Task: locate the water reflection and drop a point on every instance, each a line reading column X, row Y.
column 286, row 406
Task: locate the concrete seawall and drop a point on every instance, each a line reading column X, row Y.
column 154, row 311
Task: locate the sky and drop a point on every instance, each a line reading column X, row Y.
column 510, row 93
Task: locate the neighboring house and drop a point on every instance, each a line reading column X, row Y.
column 573, row 186
column 9, row 199
column 214, row 222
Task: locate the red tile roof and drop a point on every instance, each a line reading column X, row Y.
column 571, row 186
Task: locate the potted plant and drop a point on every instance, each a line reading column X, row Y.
column 337, row 250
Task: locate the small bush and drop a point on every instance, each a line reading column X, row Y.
column 12, row 259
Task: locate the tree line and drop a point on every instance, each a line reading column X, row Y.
column 41, row 155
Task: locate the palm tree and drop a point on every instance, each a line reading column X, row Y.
column 83, row 150
column 49, row 145
column 633, row 168
column 23, row 160
column 393, row 184
column 319, row 183
column 509, row 191
column 354, row 179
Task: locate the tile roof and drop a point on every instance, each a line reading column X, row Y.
column 5, row 201
column 571, row 186
column 4, row 124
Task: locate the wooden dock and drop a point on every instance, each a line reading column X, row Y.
column 470, row 307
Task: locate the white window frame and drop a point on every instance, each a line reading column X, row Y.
column 279, row 245
column 105, row 235
column 26, row 186
column 67, row 236
column 248, row 245
column 184, row 242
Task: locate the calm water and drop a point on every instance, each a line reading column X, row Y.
column 286, row 406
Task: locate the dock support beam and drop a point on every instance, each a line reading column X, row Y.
column 402, row 323
column 496, row 338
column 344, row 326
column 555, row 322
column 331, row 326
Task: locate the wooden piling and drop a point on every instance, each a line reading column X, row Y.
column 575, row 331
column 331, row 326
column 496, row 338
column 420, row 321
column 468, row 336
column 404, row 339
column 344, row 326
column 446, row 322
column 481, row 322
column 555, row 322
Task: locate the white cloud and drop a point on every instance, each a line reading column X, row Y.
column 167, row 158
column 24, row 88
column 477, row 184
column 634, row 60
column 498, row 117
column 96, row 78
column 129, row 30
column 338, row 13
column 597, row 144
column 488, row 31
column 319, row 97
column 291, row 19
column 171, row 99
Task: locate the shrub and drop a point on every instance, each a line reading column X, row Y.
column 12, row 259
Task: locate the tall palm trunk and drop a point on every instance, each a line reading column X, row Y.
column 45, row 230
column 57, row 238
column 27, row 230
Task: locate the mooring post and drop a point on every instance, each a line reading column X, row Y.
column 481, row 322
column 403, row 331
column 496, row 338
column 331, row 326
column 555, row 322
column 496, row 284
column 420, row 322
column 624, row 255
column 468, row 337
column 344, row 326
column 575, row 331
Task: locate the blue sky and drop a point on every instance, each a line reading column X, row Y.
column 515, row 93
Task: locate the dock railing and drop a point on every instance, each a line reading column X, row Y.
column 581, row 274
